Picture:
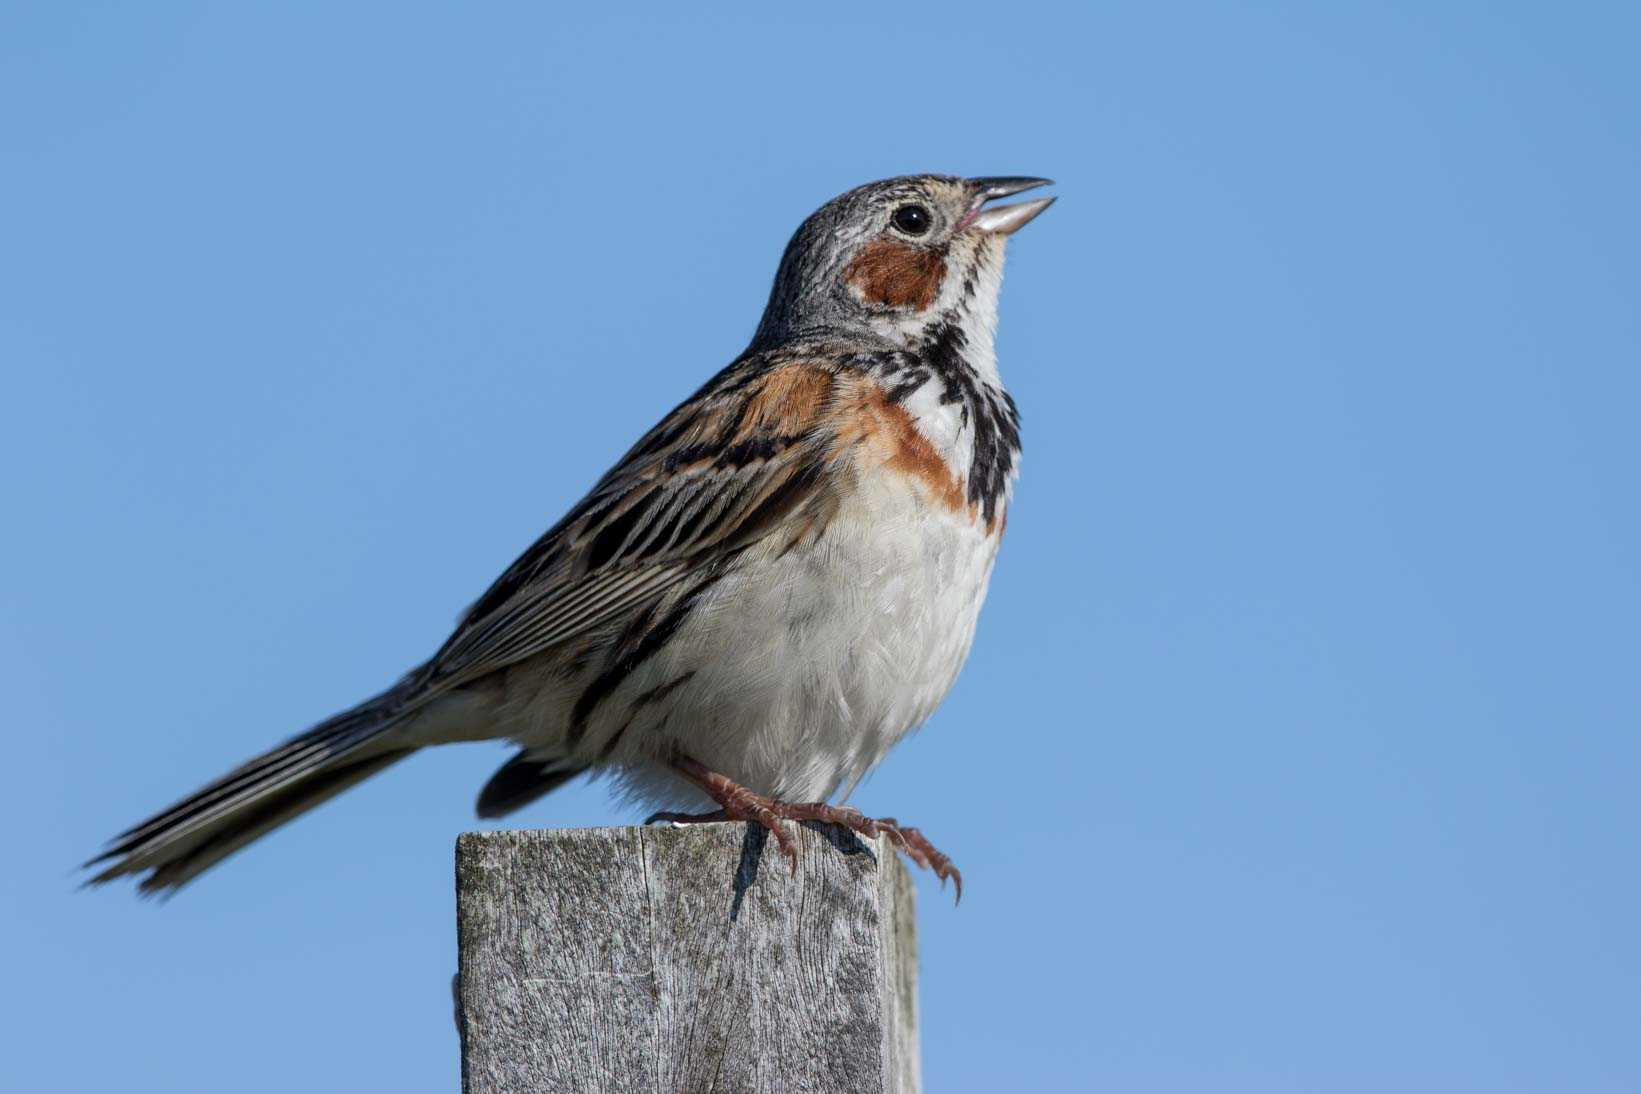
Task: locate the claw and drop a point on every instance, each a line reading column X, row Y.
column 766, row 815
column 934, row 860
column 739, row 803
column 788, row 848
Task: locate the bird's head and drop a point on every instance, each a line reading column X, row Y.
column 891, row 259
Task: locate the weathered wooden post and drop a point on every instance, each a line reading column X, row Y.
column 669, row 960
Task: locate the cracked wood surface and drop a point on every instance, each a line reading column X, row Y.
column 670, row 959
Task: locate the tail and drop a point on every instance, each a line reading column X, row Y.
column 196, row 833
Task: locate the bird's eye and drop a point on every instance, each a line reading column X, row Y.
column 914, row 220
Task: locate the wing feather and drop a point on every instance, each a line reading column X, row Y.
column 736, row 462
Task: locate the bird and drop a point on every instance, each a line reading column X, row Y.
column 773, row 586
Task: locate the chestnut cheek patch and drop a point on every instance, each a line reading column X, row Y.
column 893, row 274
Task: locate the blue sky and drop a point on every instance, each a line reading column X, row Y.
column 1298, row 749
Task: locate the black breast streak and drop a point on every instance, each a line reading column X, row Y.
column 639, row 642
column 990, row 413
column 661, row 691
column 942, row 356
column 648, row 699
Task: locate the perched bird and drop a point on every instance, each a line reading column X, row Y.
column 774, row 586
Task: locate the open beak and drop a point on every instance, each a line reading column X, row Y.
column 1004, row 219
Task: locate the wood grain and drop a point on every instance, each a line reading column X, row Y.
column 669, row 959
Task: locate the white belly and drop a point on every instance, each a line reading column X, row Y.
column 809, row 667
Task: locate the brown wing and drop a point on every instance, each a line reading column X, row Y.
column 753, row 452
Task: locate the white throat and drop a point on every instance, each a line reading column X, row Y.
column 967, row 302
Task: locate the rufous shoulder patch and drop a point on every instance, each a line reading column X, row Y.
column 889, row 433
column 788, row 401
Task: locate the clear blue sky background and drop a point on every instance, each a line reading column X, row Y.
column 1298, row 750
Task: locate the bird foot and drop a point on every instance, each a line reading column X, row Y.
column 737, row 803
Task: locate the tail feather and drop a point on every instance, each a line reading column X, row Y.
column 521, row 781
column 324, row 741
column 178, row 843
